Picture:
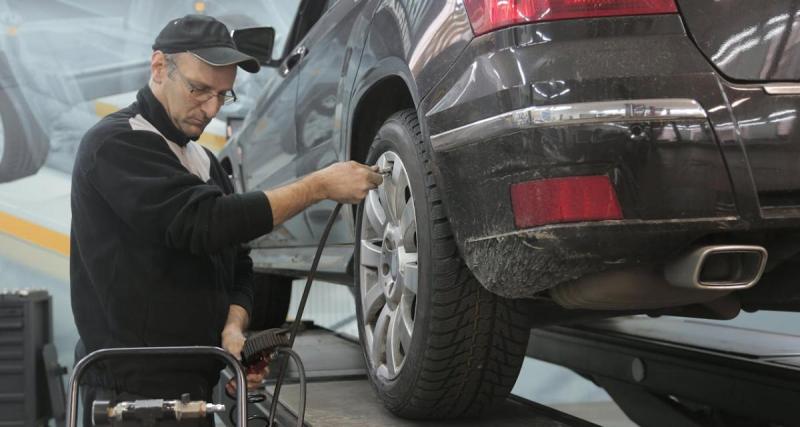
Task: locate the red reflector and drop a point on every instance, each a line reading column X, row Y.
column 557, row 200
column 488, row 15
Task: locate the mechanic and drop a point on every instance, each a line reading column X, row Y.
column 157, row 231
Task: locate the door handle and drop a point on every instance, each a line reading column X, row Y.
column 293, row 59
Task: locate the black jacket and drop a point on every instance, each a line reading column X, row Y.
column 155, row 248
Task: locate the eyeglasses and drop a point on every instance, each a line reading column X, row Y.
column 203, row 95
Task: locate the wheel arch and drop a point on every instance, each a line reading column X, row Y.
column 381, row 95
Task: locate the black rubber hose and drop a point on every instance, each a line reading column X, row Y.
column 296, row 326
column 301, row 412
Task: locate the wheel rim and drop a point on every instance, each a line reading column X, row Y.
column 388, row 269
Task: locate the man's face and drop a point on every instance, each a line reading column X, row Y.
column 192, row 91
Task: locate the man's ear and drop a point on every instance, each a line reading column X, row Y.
column 158, row 66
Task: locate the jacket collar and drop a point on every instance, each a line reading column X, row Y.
column 152, row 110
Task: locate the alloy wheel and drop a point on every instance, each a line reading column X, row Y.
column 388, row 269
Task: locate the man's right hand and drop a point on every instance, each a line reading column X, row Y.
column 346, row 182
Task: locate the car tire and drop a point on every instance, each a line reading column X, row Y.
column 465, row 345
column 23, row 146
column 271, row 297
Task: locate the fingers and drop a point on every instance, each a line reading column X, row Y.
column 253, row 380
column 350, row 181
column 375, row 179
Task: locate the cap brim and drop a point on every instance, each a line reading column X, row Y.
column 222, row 56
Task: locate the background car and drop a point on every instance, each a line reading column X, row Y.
column 551, row 162
column 64, row 64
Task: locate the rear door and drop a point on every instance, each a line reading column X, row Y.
column 327, row 73
column 755, row 46
column 267, row 139
column 755, row 41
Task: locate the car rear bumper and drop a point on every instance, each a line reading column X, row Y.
column 627, row 98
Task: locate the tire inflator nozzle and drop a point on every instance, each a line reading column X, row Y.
column 259, row 347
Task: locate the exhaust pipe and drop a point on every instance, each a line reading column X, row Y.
column 718, row 267
column 700, row 276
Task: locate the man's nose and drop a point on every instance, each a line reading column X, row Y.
column 211, row 107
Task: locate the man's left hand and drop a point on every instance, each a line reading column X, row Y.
column 254, row 381
column 233, row 341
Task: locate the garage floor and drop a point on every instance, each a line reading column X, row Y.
column 331, row 306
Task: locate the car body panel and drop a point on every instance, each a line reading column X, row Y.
column 674, row 186
column 326, row 79
column 761, row 44
column 767, row 127
column 324, row 133
column 711, row 170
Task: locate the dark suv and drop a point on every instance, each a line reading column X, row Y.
column 552, row 161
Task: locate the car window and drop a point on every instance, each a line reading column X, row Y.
column 312, row 11
column 278, row 14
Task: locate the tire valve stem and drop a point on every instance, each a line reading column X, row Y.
column 385, row 171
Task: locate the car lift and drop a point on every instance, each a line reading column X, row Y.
column 661, row 372
column 683, row 372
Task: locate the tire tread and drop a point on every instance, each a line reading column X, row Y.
column 476, row 340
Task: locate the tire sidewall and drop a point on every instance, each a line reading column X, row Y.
column 395, row 135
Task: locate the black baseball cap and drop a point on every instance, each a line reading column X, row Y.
column 207, row 39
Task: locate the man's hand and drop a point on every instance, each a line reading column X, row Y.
column 233, row 341
column 254, row 381
column 233, row 333
column 346, row 182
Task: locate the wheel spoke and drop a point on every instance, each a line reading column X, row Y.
column 408, row 225
column 402, row 328
column 372, row 301
column 409, row 272
column 393, row 356
column 398, row 196
column 370, row 254
column 384, row 195
column 376, row 215
column 379, row 334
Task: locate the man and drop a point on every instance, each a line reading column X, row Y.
column 156, row 255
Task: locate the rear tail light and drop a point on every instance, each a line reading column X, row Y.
column 489, row 15
column 559, row 200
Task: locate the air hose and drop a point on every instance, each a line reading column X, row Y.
column 274, row 338
column 296, row 326
column 260, row 347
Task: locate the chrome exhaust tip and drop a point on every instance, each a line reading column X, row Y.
column 718, row 267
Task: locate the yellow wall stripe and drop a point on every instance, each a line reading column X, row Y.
column 212, row 142
column 103, row 109
column 34, row 233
